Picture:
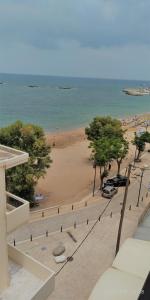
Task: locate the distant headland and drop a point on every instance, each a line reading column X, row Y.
column 137, row 91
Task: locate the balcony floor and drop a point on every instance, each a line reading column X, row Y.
column 23, row 284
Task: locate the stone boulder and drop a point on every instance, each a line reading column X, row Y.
column 59, row 250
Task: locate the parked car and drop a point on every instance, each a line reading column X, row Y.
column 117, row 181
column 109, row 191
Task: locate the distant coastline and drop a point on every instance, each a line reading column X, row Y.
column 137, row 91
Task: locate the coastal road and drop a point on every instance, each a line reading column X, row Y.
column 80, row 216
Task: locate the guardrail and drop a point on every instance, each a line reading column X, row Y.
column 61, row 209
column 34, row 267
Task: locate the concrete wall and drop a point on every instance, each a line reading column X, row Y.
column 37, row 269
column 17, row 216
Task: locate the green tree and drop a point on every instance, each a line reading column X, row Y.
column 102, row 127
column 102, row 153
column 146, row 137
column 21, row 180
column 108, row 143
column 120, row 150
column 139, row 142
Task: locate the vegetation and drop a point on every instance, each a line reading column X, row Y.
column 102, row 155
column 140, row 146
column 140, row 141
column 120, row 151
column 22, row 180
column 104, row 126
column 107, row 143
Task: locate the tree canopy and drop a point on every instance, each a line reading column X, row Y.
column 139, row 141
column 107, row 143
column 21, row 180
column 120, row 150
column 102, row 127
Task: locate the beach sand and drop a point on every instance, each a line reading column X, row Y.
column 66, row 138
column 70, row 177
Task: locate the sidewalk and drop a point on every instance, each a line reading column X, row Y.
column 77, row 278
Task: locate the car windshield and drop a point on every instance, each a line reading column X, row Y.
column 108, row 189
column 106, row 192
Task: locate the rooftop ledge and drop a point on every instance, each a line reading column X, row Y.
column 10, row 157
column 17, row 211
column 29, row 279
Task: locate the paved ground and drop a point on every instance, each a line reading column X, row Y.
column 143, row 231
column 77, row 278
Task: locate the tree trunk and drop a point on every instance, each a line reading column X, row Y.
column 94, row 181
column 100, row 177
column 138, row 155
column 119, row 165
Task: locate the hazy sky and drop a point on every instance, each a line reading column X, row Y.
column 90, row 38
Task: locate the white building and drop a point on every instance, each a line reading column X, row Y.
column 21, row 277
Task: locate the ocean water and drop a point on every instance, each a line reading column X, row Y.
column 61, row 103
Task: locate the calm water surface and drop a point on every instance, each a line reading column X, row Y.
column 60, row 103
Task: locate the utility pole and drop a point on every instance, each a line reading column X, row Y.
column 137, row 205
column 94, row 166
column 123, row 209
column 135, row 157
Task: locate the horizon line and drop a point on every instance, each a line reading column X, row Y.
column 70, row 76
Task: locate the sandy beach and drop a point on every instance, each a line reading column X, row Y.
column 70, row 177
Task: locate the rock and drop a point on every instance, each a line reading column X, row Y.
column 60, row 249
column 60, row 259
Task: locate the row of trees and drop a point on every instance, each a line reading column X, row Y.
column 108, row 143
column 106, row 138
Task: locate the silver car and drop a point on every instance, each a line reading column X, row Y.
column 109, row 191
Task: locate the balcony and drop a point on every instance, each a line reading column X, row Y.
column 29, row 279
column 21, row 277
column 17, row 212
column 10, row 157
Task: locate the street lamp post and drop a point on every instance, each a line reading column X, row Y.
column 94, row 166
column 123, row 210
column 137, row 205
column 135, row 157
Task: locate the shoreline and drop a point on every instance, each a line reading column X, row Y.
column 62, row 139
column 70, row 177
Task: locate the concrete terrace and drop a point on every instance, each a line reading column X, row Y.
column 78, row 277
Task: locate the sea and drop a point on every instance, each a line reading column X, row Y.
column 65, row 103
